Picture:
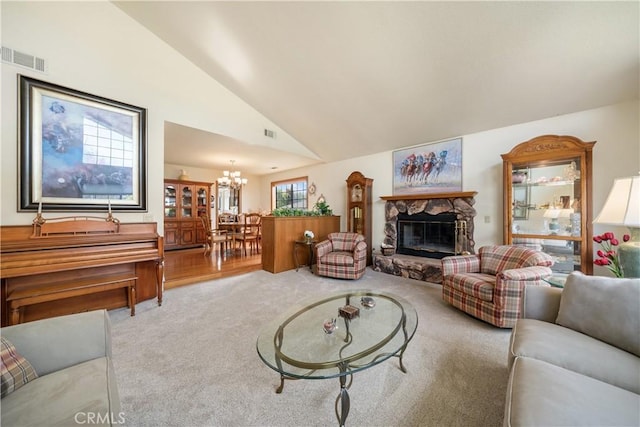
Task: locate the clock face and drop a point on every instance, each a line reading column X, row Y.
column 356, row 193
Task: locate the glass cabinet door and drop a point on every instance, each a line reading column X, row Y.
column 186, row 201
column 356, row 220
column 170, row 195
column 202, row 207
column 546, row 202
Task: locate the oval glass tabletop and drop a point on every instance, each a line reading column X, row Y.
column 313, row 340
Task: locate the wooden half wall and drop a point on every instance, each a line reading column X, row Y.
column 279, row 235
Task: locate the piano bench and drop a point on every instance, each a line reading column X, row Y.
column 24, row 296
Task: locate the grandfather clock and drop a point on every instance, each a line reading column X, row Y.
column 359, row 207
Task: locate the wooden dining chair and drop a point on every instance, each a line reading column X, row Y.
column 250, row 232
column 214, row 236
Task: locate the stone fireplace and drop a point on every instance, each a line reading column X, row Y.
column 420, row 229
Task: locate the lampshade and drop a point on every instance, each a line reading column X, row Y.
column 232, row 178
column 623, row 204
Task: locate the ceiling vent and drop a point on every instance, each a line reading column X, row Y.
column 270, row 133
column 22, row 59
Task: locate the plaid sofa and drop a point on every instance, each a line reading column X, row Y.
column 342, row 255
column 490, row 284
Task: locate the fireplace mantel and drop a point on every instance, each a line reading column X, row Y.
column 428, row 196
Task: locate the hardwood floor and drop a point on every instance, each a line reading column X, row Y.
column 187, row 266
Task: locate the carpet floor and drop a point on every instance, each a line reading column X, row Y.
column 193, row 361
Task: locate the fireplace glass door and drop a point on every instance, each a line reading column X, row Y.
column 431, row 236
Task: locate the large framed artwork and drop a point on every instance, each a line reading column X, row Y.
column 428, row 168
column 79, row 151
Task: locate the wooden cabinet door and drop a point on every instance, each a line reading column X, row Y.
column 187, row 233
column 171, row 234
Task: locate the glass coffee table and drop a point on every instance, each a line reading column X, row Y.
column 337, row 336
column 557, row 280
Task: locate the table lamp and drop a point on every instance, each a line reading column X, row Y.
column 623, row 208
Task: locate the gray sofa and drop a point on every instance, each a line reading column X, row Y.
column 574, row 357
column 76, row 382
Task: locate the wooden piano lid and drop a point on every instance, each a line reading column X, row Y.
column 74, row 225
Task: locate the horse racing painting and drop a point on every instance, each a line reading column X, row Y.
column 428, row 168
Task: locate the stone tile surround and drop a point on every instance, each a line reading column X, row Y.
column 415, row 267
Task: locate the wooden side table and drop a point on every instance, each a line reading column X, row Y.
column 310, row 245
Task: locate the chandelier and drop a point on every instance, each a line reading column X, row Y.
column 232, row 178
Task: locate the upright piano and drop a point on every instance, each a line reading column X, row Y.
column 74, row 267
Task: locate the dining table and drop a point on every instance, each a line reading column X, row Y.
column 234, row 228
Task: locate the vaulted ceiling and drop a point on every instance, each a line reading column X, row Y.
column 347, row 79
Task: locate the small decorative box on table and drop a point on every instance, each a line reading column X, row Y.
column 349, row 312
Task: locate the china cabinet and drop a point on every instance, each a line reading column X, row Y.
column 547, row 199
column 184, row 203
column 359, row 207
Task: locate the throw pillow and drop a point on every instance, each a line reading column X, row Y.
column 15, row 369
column 605, row 308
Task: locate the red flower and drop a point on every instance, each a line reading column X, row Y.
column 607, row 256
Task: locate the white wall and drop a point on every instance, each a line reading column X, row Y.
column 95, row 48
column 616, row 154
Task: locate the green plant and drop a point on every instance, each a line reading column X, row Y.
column 319, row 209
column 323, row 208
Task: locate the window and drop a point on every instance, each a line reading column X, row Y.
column 291, row 193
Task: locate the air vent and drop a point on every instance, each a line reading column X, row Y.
column 270, row 134
column 23, row 59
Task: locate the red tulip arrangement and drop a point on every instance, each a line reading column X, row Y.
column 607, row 256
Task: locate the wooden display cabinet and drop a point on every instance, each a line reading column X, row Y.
column 184, row 203
column 547, row 199
column 359, row 208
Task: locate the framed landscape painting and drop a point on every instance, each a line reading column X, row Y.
column 79, row 151
column 428, row 168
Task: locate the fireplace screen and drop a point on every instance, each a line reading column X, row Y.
column 431, row 236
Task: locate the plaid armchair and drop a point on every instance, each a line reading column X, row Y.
column 490, row 284
column 342, row 255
